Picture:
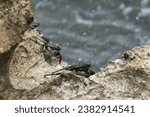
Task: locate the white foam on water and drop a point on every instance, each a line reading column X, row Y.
column 127, row 10
column 144, row 12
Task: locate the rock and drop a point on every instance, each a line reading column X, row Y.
column 32, row 67
column 28, row 65
column 127, row 78
column 14, row 19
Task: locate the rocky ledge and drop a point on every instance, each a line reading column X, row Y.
column 32, row 67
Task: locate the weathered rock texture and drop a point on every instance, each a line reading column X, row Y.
column 31, row 67
column 15, row 15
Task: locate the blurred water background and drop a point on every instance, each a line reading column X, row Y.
column 93, row 31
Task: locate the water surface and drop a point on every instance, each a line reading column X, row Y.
column 93, row 31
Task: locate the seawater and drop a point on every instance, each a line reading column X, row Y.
column 93, row 31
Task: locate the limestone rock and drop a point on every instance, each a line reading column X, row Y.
column 14, row 17
column 28, row 63
column 127, row 78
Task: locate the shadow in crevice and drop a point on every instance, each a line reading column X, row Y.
column 4, row 71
